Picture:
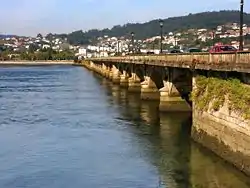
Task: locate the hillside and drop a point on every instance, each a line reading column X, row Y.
column 207, row 20
column 6, row 36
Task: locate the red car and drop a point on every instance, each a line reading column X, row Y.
column 222, row 48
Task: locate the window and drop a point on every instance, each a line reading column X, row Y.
column 194, row 50
column 227, row 48
column 231, row 48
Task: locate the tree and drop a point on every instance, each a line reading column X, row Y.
column 39, row 35
column 32, row 48
column 207, row 20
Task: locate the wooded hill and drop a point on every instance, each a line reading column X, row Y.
column 208, row 20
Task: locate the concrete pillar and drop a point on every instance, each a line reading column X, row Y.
column 124, row 79
column 149, row 91
column 92, row 66
column 110, row 73
column 98, row 68
column 134, row 83
column 171, row 100
column 115, row 75
column 105, row 70
column 87, row 64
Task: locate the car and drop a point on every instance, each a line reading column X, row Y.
column 222, row 48
column 191, row 50
column 194, row 50
column 175, row 51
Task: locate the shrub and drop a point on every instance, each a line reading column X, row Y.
column 213, row 91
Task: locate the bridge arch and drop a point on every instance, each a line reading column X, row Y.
column 128, row 69
column 157, row 77
column 140, row 73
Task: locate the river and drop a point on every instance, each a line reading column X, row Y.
column 66, row 127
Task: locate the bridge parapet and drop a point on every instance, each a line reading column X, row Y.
column 239, row 61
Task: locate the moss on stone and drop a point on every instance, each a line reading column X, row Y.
column 212, row 92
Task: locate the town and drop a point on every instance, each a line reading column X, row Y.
column 51, row 47
column 125, row 94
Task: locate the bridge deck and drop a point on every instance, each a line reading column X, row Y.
column 239, row 62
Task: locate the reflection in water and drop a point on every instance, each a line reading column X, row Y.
column 208, row 170
column 165, row 143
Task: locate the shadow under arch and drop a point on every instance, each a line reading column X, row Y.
column 157, row 78
column 109, row 65
column 138, row 70
column 183, row 84
column 128, row 69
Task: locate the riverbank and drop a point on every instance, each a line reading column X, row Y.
column 35, row 63
column 221, row 119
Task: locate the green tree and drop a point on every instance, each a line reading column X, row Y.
column 208, row 20
column 39, row 35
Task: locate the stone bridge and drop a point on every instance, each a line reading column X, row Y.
column 170, row 78
column 220, row 125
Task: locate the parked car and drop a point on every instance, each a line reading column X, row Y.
column 222, row 48
column 191, row 50
column 194, row 50
column 175, row 51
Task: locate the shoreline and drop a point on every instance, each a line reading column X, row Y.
column 35, row 63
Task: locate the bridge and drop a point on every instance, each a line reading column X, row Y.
column 218, row 61
column 214, row 87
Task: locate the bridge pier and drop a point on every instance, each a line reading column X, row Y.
column 134, row 83
column 110, row 73
column 105, row 70
column 87, row 64
column 92, row 66
column 171, row 100
column 115, row 75
column 149, row 90
column 99, row 69
column 124, row 79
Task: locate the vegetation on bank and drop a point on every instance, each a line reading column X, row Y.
column 46, row 54
column 211, row 93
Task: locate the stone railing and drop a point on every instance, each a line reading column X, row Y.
column 239, row 62
column 208, row 58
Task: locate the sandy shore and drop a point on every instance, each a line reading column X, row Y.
column 36, row 63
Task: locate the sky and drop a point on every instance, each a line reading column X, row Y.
column 29, row 17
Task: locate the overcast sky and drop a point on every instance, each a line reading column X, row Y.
column 29, row 17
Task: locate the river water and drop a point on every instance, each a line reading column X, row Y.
column 65, row 127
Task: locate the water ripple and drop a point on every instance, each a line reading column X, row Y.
column 62, row 127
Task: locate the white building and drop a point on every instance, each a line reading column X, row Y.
column 93, row 48
column 219, row 28
column 82, row 51
column 235, row 26
column 46, row 46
